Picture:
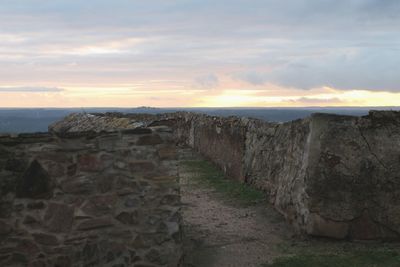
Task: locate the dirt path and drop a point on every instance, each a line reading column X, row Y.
column 223, row 233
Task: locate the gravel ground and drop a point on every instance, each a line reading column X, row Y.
column 220, row 232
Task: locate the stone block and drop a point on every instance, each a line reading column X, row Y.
column 16, row 165
column 167, row 153
column 128, row 218
column 59, row 217
column 90, row 163
column 141, row 166
column 35, row 183
column 45, row 239
column 97, row 223
column 100, row 205
column 36, row 205
column 319, row 226
column 5, row 228
column 137, row 131
column 79, row 184
column 149, row 140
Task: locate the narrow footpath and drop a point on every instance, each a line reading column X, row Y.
column 220, row 232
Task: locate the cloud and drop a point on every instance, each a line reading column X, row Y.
column 354, row 68
column 345, row 44
column 317, row 101
column 208, row 81
column 252, row 77
column 31, row 89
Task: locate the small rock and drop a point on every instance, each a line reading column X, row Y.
column 78, row 185
column 149, row 140
column 4, row 228
column 131, row 203
column 155, row 256
column 95, row 224
column 35, row 205
column 141, row 165
column 15, row 165
column 45, row 239
column 59, row 217
column 137, row 131
column 128, row 218
column 171, row 200
column 168, row 152
column 30, row 220
column 100, row 205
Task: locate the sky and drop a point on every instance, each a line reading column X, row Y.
column 203, row 53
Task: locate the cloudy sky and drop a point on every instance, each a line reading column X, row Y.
column 122, row 53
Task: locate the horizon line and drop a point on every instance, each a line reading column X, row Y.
column 233, row 107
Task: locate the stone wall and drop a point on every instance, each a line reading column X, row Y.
column 353, row 176
column 222, row 140
column 90, row 199
column 329, row 175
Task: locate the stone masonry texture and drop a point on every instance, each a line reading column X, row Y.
column 90, row 199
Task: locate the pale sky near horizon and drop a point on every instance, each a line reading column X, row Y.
column 210, row 53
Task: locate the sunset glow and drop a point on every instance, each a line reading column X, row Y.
column 199, row 53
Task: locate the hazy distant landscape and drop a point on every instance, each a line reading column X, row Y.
column 37, row 120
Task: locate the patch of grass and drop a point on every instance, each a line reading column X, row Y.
column 210, row 175
column 367, row 258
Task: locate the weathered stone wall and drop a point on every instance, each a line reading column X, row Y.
column 90, row 199
column 329, row 175
column 276, row 161
column 222, row 140
column 353, row 176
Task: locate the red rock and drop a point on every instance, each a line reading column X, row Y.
column 90, row 163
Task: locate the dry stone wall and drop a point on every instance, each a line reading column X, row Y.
column 329, row 175
column 90, row 199
column 222, row 140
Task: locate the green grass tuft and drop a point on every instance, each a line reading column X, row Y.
column 373, row 258
column 210, row 175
